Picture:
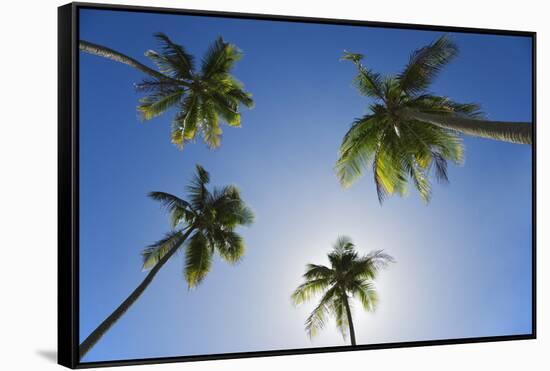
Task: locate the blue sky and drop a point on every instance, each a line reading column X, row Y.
column 463, row 262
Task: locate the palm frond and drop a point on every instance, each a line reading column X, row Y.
column 180, row 210
column 367, row 267
column 243, row 215
column 230, row 246
column 155, row 104
column 220, row 58
column 186, row 122
column 202, row 176
column 198, row 194
column 164, row 66
column 445, row 142
column 356, row 58
column 307, row 290
column 169, row 201
column 425, row 63
column 440, row 164
column 148, row 85
column 179, row 215
column 198, row 259
column 358, row 148
column 316, row 320
column 366, row 293
column 155, row 252
column 210, row 128
column 231, row 211
column 314, row 271
column 181, row 63
column 237, row 93
column 227, row 109
column 472, row 110
column 343, row 244
column 338, row 309
column 389, row 175
column 419, row 178
column 380, row 259
column 429, row 103
column 368, row 83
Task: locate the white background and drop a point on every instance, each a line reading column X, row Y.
column 28, row 183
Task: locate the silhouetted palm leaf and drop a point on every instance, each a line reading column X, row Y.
column 349, row 275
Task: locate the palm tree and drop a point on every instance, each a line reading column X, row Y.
column 203, row 225
column 201, row 97
column 410, row 132
column 349, row 276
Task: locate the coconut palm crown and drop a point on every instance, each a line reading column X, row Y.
column 203, row 97
column 409, row 133
column 348, row 276
column 202, row 225
column 211, row 218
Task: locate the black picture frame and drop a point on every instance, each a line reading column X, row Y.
column 68, row 184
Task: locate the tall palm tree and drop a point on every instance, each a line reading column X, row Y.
column 349, row 276
column 202, row 225
column 410, row 132
column 202, row 97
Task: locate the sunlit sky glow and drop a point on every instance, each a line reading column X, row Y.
column 463, row 262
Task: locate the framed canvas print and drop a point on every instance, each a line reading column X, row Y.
column 239, row 185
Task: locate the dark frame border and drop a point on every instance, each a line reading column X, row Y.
column 68, row 185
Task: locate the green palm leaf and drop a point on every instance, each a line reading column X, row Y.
column 358, row 148
column 309, row 289
column 229, row 207
column 186, row 122
column 317, row 318
column 155, row 252
column 314, row 271
column 198, row 259
column 367, row 82
column 156, row 104
column 220, row 58
column 180, row 210
column 180, row 62
column 367, row 295
column 169, row 201
column 338, row 310
column 230, row 246
column 425, row 63
column 210, row 126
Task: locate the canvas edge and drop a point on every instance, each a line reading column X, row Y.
column 67, row 191
column 302, row 19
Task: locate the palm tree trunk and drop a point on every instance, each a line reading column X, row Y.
column 94, row 337
column 350, row 320
column 103, row 51
column 506, row 131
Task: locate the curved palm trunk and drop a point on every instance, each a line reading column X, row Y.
column 94, row 337
column 350, row 321
column 103, row 51
column 506, row 131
